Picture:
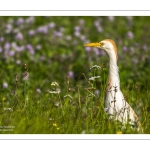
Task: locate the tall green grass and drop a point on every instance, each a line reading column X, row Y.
column 66, row 109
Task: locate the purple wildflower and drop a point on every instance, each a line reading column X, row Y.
column 38, row 90
column 124, row 48
column 71, row 74
column 1, row 49
column 102, row 53
column 51, row 25
column 8, row 28
column 77, row 33
column 87, row 49
column 1, row 39
column 29, row 20
column 96, row 50
column 18, row 62
column 16, row 30
column 30, row 48
column 5, row 85
column 130, row 35
column 42, row 29
column 38, row 47
column 58, row 34
column 19, row 36
column 77, row 28
column 82, row 37
column 20, row 21
column 144, row 47
column 11, row 53
column 19, row 48
column 96, row 23
column 31, row 32
column 99, row 29
column 32, row 52
column 111, row 18
column 7, row 46
column 132, row 49
column 81, row 21
column 136, row 44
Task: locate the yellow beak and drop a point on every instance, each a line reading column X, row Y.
column 93, row 44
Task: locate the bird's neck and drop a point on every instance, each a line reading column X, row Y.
column 113, row 73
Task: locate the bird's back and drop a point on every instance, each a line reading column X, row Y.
column 118, row 107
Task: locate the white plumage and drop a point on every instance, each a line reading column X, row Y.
column 115, row 103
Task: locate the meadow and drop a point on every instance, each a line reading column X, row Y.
column 52, row 84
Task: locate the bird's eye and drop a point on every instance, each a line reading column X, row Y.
column 101, row 43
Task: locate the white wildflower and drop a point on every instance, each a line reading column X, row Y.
column 54, row 92
column 95, row 67
column 57, row 104
column 9, row 109
column 25, row 76
column 51, row 119
column 55, row 84
column 93, row 78
column 69, row 96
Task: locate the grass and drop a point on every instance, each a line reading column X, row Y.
column 51, row 83
column 64, row 110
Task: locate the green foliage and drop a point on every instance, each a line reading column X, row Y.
column 38, row 51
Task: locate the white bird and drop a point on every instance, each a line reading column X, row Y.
column 115, row 103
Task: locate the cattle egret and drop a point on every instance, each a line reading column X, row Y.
column 115, row 103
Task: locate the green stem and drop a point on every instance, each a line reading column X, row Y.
column 79, row 98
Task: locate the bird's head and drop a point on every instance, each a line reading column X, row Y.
column 108, row 45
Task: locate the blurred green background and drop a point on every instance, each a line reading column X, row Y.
column 53, row 46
